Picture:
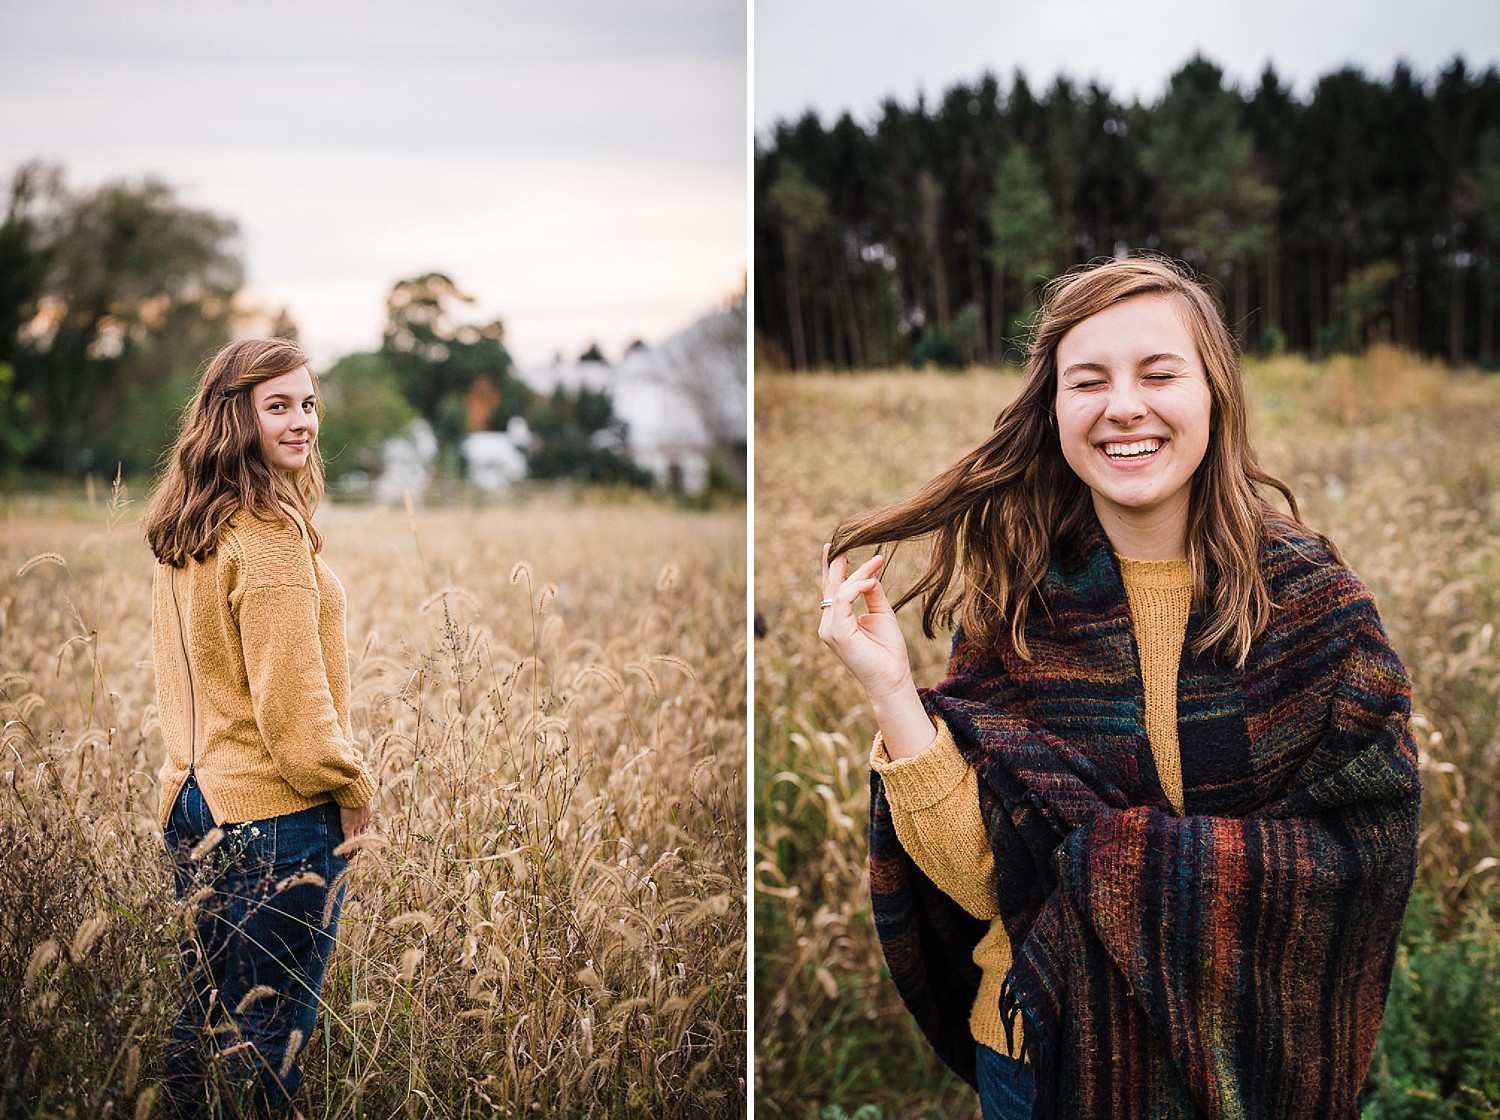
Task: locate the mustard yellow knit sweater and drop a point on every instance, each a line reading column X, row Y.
column 934, row 795
column 252, row 678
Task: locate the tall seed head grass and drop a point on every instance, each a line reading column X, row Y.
column 549, row 910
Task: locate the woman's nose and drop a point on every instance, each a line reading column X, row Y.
column 1125, row 405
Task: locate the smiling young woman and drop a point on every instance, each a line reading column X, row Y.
column 286, row 412
column 1145, row 851
column 261, row 781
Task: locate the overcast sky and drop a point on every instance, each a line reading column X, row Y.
column 579, row 166
column 833, row 55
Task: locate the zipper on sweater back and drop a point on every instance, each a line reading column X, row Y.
column 187, row 667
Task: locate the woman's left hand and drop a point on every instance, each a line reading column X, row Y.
column 355, row 821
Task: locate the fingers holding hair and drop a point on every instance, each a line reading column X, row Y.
column 842, row 588
column 870, row 644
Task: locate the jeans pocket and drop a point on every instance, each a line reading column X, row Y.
column 281, row 865
column 334, row 831
column 282, row 845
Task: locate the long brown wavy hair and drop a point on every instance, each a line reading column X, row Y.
column 216, row 468
column 996, row 517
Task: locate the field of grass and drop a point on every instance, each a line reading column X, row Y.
column 1392, row 458
column 550, row 915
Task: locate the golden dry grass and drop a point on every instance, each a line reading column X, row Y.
column 1391, row 457
column 550, row 915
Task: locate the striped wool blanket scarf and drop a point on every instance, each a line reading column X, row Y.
column 1229, row 962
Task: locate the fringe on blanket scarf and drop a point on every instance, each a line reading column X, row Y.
column 1230, row 962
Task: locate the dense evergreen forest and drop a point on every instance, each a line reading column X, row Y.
column 1369, row 211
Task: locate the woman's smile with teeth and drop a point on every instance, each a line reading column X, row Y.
column 1130, row 450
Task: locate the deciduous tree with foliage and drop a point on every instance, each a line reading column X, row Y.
column 109, row 300
column 365, row 408
column 1027, row 243
column 801, row 211
column 437, row 360
column 1214, row 203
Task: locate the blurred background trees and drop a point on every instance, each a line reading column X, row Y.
column 446, row 369
column 1369, row 211
column 577, row 435
column 109, row 301
column 112, row 299
column 365, row 406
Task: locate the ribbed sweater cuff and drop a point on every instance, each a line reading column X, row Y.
column 356, row 793
column 922, row 780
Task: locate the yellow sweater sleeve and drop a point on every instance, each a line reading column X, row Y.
column 934, row 798
column 274, row 594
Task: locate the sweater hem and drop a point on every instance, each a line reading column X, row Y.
column 239, row 805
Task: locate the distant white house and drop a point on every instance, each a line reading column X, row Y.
column 497, row 460
column 682, row 402
column 406, row 463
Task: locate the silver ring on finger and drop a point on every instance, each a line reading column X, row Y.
column 825, row 604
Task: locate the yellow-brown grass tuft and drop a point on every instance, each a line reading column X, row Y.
column 549, row 908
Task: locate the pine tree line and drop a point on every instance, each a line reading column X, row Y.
column 1368, row 211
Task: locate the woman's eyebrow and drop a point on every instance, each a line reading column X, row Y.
column 1083, row 367
column 1166, row 356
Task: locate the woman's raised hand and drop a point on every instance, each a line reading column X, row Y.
column 870, row 645
column 873, row 648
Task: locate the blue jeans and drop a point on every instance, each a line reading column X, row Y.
column 1006, row 1091
column 256, row 939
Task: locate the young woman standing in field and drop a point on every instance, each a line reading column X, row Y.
column 1145, row 852
column 262, row 781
